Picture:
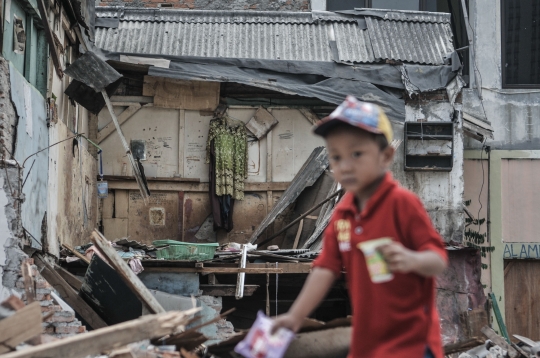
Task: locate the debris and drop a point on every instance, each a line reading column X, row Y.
column 261, row 123
column 105, row 339
column 127, row 275
column 22, row 325
column 76, row 253
column 69, row 294
column 500, row 341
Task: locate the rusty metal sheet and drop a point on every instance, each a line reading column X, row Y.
column 156, row 221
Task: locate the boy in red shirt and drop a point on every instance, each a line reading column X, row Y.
column 397, row 318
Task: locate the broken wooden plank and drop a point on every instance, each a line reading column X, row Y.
column 310, row 115
column 76, row 253
column 68, row 294
column 105, row 339
column 126, row 273
column 122, row 117
column 182, row 94
column 219, row 290
column 132, row 99
column 73, row 281
column 500, row 341
column 462, row 346
column 314, row 166
column 19, row 327
column 261, row 123
column 50, row 39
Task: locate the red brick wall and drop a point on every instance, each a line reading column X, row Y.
column 260, row 5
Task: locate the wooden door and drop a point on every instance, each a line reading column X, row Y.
column 522, row 297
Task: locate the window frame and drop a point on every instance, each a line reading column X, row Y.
column 503, row 56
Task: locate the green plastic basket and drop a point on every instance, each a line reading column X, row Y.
column 187, row 251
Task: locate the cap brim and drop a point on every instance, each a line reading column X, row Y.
column 327, row 124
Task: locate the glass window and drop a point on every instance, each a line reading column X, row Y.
column 521, row 43
column 396, row 4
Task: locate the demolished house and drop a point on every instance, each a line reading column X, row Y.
column 167, row 93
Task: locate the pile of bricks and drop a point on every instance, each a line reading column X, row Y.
column 62, row 323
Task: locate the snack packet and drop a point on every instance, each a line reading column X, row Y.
column 378, row 269
column 260, row 343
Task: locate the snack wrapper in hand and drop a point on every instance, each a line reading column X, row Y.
column 260, row 343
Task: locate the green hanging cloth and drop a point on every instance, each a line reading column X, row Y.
column 230, row 144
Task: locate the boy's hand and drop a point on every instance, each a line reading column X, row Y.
column 399, row 258
column 288, row 321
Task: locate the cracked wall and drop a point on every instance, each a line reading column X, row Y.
column 11, row 237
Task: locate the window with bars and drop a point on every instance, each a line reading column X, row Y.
column 521, row 43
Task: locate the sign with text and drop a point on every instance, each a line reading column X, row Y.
column 521, row 250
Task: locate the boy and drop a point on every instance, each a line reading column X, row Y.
column 397, row 318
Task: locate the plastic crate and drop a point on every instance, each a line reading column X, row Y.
column 187, row 251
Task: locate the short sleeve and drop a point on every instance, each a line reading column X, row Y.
column 420, row 232
column 330, row 257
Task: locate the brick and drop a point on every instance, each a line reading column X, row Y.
column 67, row 330
column 61, row 317
column 44, row 291
column 52, row 308
column 48, row 330
column 42, row 284
column 43, row 297
column 46, row 303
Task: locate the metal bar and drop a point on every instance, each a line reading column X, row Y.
column 499, row 318
column 242, row 275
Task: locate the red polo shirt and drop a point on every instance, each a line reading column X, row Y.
column 396, row 318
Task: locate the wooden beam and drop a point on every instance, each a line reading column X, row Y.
column 226, row 290
column 216, row 270
column 73, row 281
column 132, row 99
column 68, row 294
column 50, row 39
column 125, row 272
column 19, row 327
column 310, row 115
column 29, row 287
column 192, row 187
column 172, row 179
column 106, row 339
column 76, row 253
column 122, row 117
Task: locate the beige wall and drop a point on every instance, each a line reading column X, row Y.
column 176, row 147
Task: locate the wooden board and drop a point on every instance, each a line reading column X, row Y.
column 521, row 298
column 218, row 290
column 261, row 123
column 155, row 221
column 180, row 94
column 127, row 274
column 21, row 326
column 68, row 294
column 73, row 281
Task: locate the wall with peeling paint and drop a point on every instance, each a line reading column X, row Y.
column 441, row 192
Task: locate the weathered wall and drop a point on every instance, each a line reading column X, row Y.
column 260, row 5
column 441, row 192
column 513, row 113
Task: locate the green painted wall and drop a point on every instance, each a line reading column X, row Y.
column 33, row 63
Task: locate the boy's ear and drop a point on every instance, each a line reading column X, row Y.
column 388, row 155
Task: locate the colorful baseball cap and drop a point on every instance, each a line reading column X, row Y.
column 364, row 115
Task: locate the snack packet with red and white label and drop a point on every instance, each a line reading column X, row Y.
column 260, row 343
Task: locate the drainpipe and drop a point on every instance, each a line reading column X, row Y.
column 471, row 48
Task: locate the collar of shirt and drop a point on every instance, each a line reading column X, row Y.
column 348, row 203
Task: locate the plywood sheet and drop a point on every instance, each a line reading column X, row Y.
column 292, row 143
column 261, row 123
column 248, row 213
column 156, row 221
column 115, row 228
column 522, row 297
column 196, row 210
column 180, row 94
column 194, row 142
column 520, row 198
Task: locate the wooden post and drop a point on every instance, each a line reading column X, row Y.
column 19, row 327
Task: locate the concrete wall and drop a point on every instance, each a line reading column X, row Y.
column 258, row 5
column 513, row 113
column 441, row 192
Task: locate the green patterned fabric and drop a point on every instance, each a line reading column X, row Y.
column 230, row 144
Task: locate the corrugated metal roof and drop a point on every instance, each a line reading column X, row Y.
column 417, row 42
column 408, row 16
column 298, row 36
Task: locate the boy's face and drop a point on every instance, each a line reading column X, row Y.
column 356, row 158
